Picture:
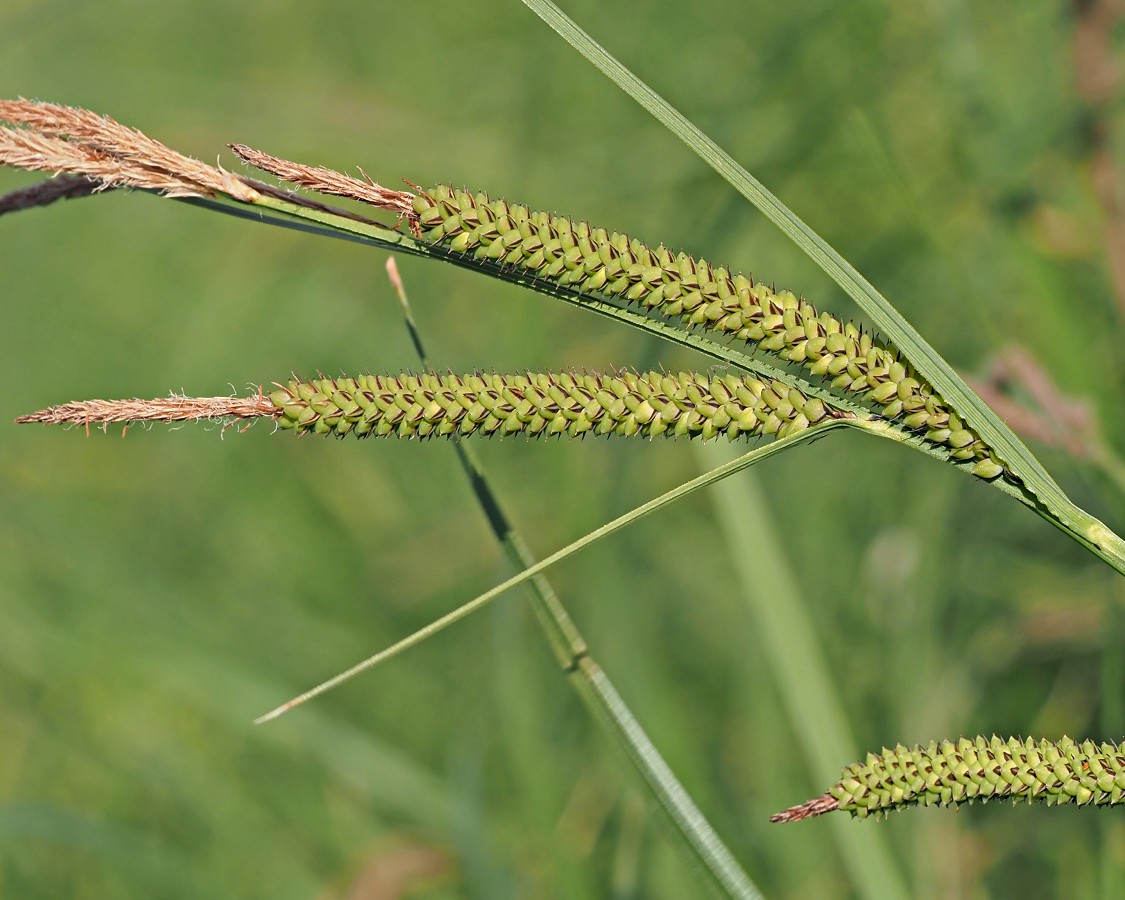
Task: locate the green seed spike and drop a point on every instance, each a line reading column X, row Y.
column 951, row 773
column 571, row 403
column 613, row 266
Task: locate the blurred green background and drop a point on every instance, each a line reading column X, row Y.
column 159, row 592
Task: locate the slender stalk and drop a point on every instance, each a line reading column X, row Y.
column 783, row 620
column 479, row 602
column 706, row 850
column 566, row 642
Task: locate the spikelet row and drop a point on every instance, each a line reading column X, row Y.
column 951, row 773
column 572, row 404
column 612, row 265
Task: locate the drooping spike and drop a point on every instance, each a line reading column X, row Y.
column 592, row 261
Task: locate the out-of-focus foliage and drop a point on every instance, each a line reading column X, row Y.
column 158, row 592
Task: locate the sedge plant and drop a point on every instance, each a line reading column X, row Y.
column 793, row 373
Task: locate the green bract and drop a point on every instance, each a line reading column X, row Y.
column 574, row 404
column 611, row 265
column 949, row 773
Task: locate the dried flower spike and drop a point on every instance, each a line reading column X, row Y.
column 54, row 138
column 327, row 181
column 614, row 266
column 952, row 773
column 166, row 409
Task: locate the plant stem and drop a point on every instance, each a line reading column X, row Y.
column 788, row 637
column 706, row 850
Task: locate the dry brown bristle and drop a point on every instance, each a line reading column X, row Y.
column 818, row 806
column 328, row 181
column 167, row 409
column 53, row 138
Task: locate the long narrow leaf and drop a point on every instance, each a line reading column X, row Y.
column 706, row 851
column 784, row 622
column 1056, row 506
column 439, row 625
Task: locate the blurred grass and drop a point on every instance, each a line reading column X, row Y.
column 158, row 592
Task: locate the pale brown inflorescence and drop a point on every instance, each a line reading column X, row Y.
column 53, row 138
column 166, row 409
column 328, row 181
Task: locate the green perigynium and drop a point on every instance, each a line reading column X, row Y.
column 609, row 265
column 951, row 773
column 571, row 404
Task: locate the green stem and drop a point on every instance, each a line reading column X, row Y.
column 450, row 618
column 1061, row 511
column 784, row 623
column 707, row 851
